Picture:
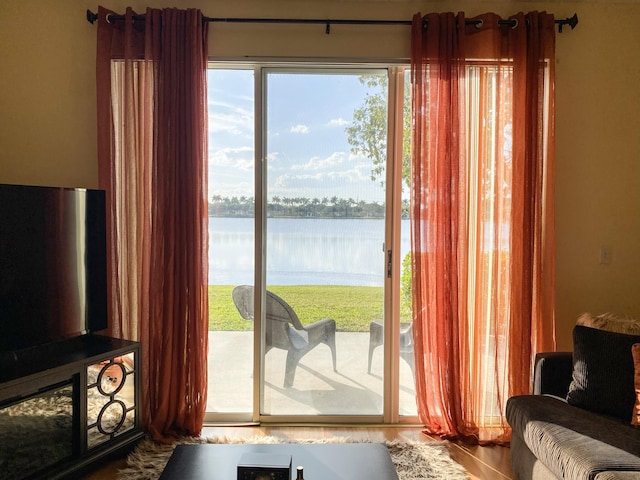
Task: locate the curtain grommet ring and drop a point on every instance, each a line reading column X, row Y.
column 479, row 24
column 515, row 24
column 106, row 17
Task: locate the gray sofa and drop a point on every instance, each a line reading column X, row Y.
column 577, row 424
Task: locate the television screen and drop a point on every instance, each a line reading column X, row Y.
column 52, row 264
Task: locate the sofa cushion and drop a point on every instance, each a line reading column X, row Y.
column 603, row 372
column 618, row 476
column 610, row 322
column 572, row 442
column 524, row 464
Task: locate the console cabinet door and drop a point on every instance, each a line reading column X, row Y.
column 111, row 398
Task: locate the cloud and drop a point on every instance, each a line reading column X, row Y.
column 320, row 185
column 299, row 129
column 338, row 122
column 229, row 186
column 238, row 157
column 318, row 163
column 338, row 174
column 319, row 180
column 230, row 118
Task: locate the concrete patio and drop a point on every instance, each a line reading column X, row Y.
column 317, row 389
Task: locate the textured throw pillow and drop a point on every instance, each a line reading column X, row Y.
column 635, row 352
column 603, row 372
column 610, row 322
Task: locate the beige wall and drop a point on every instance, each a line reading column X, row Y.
column 47, row 110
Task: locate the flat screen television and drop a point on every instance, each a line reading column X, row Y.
column 52, row 264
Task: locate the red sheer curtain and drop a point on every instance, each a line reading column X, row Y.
column 152, row 144
column 482, row 215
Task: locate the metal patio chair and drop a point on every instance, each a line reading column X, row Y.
column 376, row 338
column 284, row 329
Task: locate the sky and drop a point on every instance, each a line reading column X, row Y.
column 308, row 154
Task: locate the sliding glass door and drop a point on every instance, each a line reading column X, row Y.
column 325, row 231
column 305, row 220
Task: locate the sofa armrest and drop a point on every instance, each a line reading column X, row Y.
column 552, row 373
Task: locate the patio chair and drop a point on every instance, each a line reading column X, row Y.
column 284, row 330
column 376, row 338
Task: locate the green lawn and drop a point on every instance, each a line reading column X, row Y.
column 353, row 308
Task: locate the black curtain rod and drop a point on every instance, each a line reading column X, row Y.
column 571, row 21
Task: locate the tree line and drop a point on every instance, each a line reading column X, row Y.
column 298, row 207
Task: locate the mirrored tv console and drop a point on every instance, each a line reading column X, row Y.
column 66, row 405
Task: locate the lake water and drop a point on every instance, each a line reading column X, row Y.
column 301, row 251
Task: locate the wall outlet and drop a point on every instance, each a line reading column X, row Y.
column 605, row 255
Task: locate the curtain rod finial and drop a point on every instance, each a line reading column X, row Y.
column 573, row 21
column 91, row 17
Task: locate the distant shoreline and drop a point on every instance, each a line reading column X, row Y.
column 300, row 217
column 300, row 207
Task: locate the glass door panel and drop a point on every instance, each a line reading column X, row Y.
column 407, row 402
column 231, row 238
column 325, row 231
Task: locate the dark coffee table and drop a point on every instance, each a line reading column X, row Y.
column 321, row 461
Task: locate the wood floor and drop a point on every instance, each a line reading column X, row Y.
column 490, row 463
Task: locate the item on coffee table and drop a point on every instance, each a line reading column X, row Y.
column 258, row 466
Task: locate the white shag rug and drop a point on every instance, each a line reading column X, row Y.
column 413, row 459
